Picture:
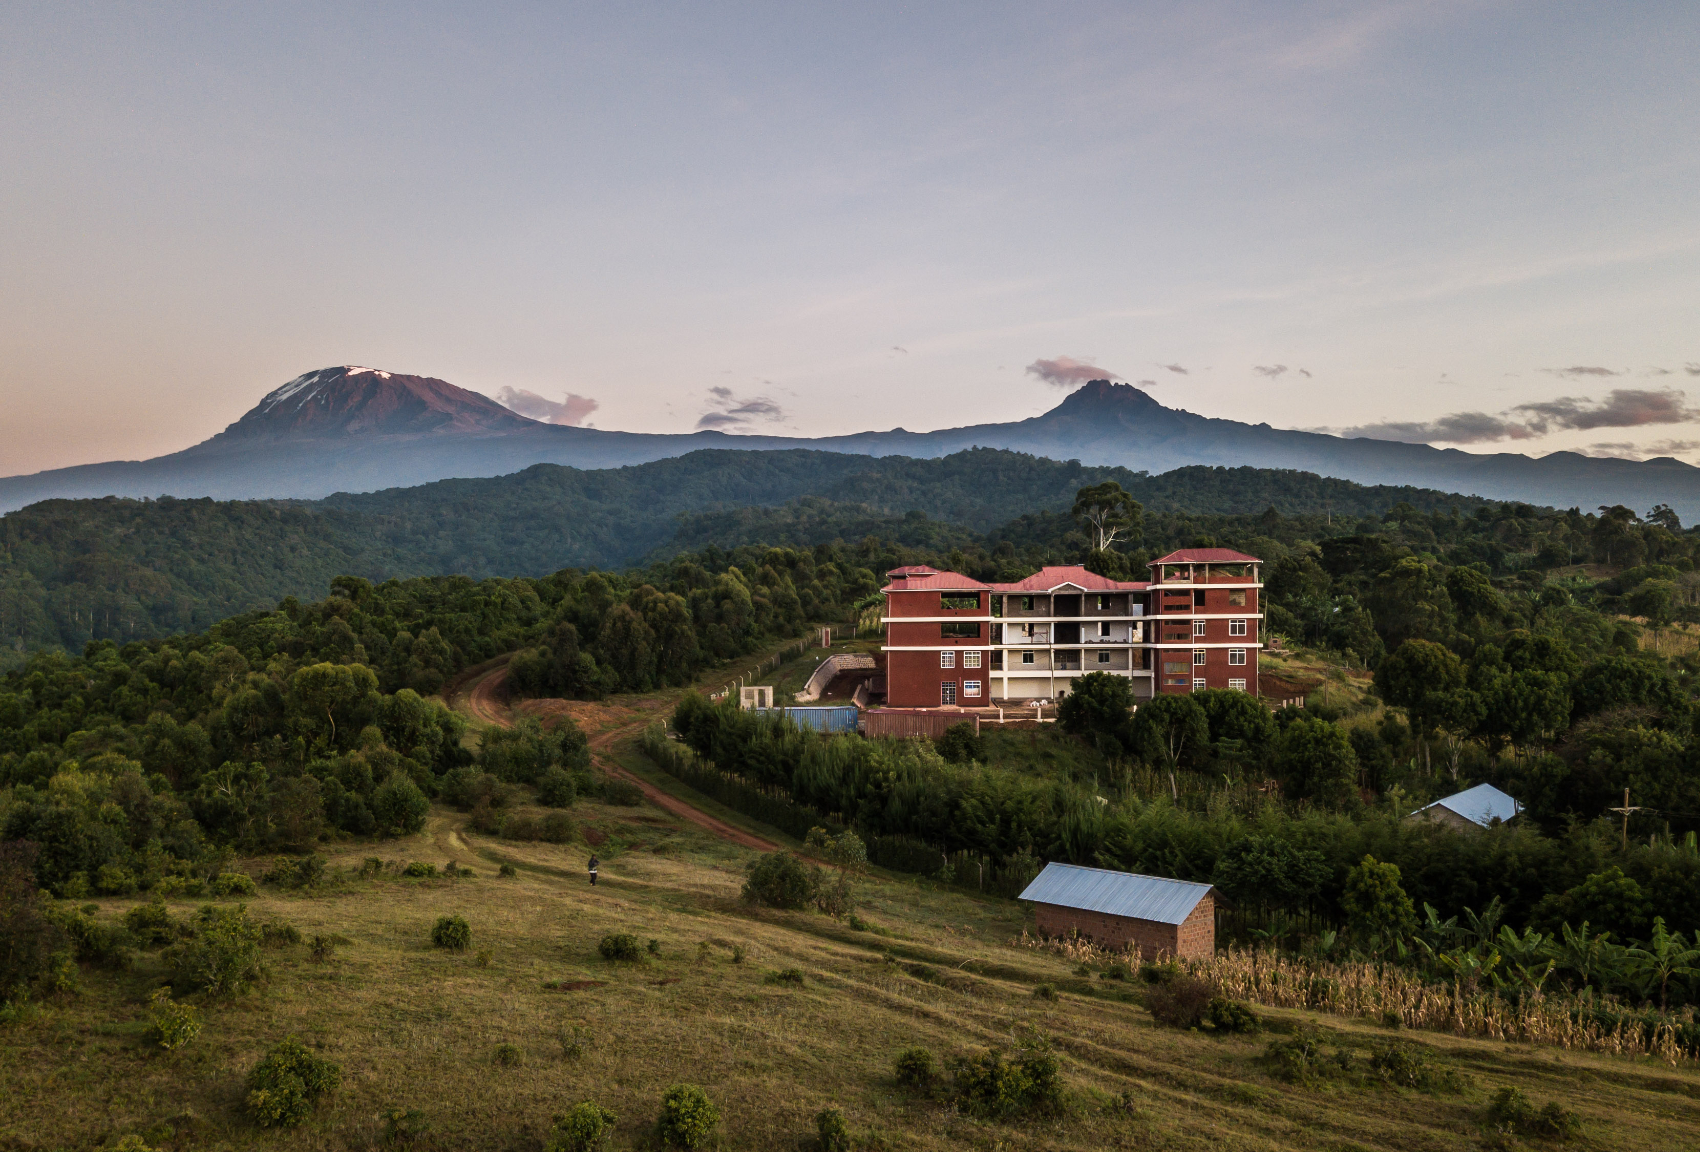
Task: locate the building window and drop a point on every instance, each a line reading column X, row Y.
column 1103, row 657
column 1198, row 683
column 1027, row 603
column 1236, row 597
column 960, row 630
column 1198, row 655
column 1198, row 598
column 947, row 659
column 970, row 687
column 1027, row 657
column 1236, row 655
column 1237, row 685
column 1174, row 636
column 1103, row 603
column 960, row 603
column 1198, row 627
column 1173, row 667
column 970, row 659
column 1236, row 627
column 947, row 692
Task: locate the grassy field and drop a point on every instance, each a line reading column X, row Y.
column 415, row 1027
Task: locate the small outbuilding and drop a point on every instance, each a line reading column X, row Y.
column 1175, row 918
column 1480, row 807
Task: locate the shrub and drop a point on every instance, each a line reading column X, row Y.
column 622, row 792
column 293, row 872
column 654, row 947
column 405, row 1125
column 985, row 1084
column 832, row 1131
column 620, row 946
column 453, row 933
column 1298, row 1059
column 149, row 924
column 688, row 1117
column 114, row 880
column 791, row 976
column 1164, row 973
column 1045, row 992
column 172, row 1024
column 399, row 806
column 558, row 828
column 419, row 870
column 960, row 744
column 30, row 934
column 507, row 870
column 180, row 886
column 780, row 880
column 575, row 1042
column 521, row 826
column 222, row 955
column 371, row 866
column 509, row 1055
column 1181, row 1003
column 483, row 958
column 91, row 941
column 585, row 1127
column 233, row 884
column 484, row 819
column 915, row 1070
column 555, row 789
column 1408, row 1067
column 321, row 949
column 283, row 1087
column 1226, row 1015
column 738, row 953
column 277, row 933
column 1512, row 1111
column 466, row 786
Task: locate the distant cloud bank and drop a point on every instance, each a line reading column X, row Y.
column 728, row 411
column 1622, row 408
column 1066, row 371
column 571, row 411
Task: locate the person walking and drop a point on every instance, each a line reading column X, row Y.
column 593, row 863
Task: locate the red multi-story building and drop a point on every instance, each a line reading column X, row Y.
column 954, row 641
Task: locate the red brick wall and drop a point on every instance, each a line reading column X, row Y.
column 1195, row 939
column 914, row 679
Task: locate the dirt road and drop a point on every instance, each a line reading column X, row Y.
column 483, row 699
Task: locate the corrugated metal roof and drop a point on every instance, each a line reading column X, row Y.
column 1055, row 576
column 1206, row 556
column 932, row 581
column 1116, row 893
column 1482, row 805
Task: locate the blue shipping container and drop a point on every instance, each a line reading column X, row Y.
column 820, row 719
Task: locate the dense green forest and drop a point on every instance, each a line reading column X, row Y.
column 78, row 570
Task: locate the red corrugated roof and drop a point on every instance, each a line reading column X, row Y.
column 1206, row 556
column 910, row 570
column 928, row 580
column 1046, row 579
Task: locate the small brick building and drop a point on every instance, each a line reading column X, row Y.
column 1172, row 918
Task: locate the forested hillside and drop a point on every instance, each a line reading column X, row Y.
column 72, row 571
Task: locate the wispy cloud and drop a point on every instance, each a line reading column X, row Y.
column 1622, row 408
column 1692, row 369
column 1176, row 368
column 1270, row 370
column 726, row 410
column 1628, row 450
column 1576, row 370
column 571, row 411
column 1066, row 371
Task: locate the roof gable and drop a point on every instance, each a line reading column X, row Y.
column 1053, row 577
column 1154, row 898
column 1482, row 805
column 929, row 580
column 1205, row 556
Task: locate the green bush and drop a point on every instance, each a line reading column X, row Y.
column 555, row 789
column 91, row 941
column 654, row 947
column 620, row 946
column 585, row 1127
column 509, row 1055
column 233, row 884
column 558, row 828
column 507, row 870
column 114, row 880
column 575, row 1042
column 149, row 924
column 915, row 1070
column 278, row 933
column 1045, row 992
column 419, row 870
column 986, row 1084
column 1164, row 973
column 283, row 1087
column 405, row 1125
column 521, row 826
column 172, row 1024
column 321, row 949
column 780, row 880
column 1300, row 1059
column 1226, row 1015
column 180, row 886
column 621, row 792
column 832, row 1131
column 1180, row 1003
column 223, row 953
column 791, row 976
column 399, row 806
column 1511, row 1111
column 688, row 1118
column 1408, row 1067
column 453, row 933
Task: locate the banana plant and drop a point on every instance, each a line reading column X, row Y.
column 1581, row 953
column 1524, row 955
column 1435, row 932
column 1479, row 930
column 1667, row 954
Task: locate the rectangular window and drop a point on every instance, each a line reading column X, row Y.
column 947, row 659
column 1198, row 655
column 1173, row 667
column 1198, row 683
column 1103, row 657
column 1236, row 597
column 1176, row 681
column 970, row 659
column 960, row 630
column 947, row 692
column 1236, row 655
column 1198, row 598
column 1103, row 603
column 959, row 603
column 970, row 687
column 1103, row 627
column 1027, row 603
column 1237, row 685
column 1198, row 627
column 1236, row 627
column 1027, row 657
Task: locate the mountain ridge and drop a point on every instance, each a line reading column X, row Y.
column 388, row 430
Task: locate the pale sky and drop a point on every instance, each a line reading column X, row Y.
column 855, row 216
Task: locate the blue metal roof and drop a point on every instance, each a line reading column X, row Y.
column 1482, row 805
column 1116, row 893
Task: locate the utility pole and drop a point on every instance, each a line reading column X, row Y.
column 1626, row 810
